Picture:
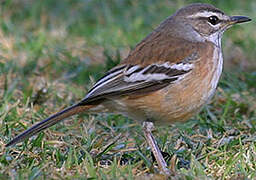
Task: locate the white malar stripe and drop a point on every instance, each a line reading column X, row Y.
column 215, row 38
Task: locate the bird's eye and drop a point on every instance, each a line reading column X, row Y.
column 213, row 20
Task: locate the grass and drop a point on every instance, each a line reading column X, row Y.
column 51, row 53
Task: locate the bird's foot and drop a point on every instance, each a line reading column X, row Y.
column 147, row 129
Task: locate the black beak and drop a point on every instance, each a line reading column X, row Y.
column 239, row 19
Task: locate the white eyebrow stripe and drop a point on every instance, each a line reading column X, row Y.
column 207, row 14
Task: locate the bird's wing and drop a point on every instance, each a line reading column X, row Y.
column 152, row 65
column 135, row 79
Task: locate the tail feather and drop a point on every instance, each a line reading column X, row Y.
column 50, row 121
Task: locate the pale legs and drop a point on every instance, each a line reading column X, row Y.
column 147, row 129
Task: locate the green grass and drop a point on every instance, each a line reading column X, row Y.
column 51, row 53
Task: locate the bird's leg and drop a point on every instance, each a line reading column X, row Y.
column 147, row 129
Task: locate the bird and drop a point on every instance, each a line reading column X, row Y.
column 168, row 77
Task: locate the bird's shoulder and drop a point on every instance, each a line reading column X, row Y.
column 160, row 47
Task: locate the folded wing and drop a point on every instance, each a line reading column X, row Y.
column 135, row 79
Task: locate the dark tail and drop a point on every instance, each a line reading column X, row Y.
column 50, row 121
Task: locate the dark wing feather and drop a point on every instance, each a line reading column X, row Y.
column 133, row 80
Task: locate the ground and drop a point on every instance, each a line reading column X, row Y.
column 51, row 53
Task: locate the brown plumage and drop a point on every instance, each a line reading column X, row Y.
column 167, row 77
